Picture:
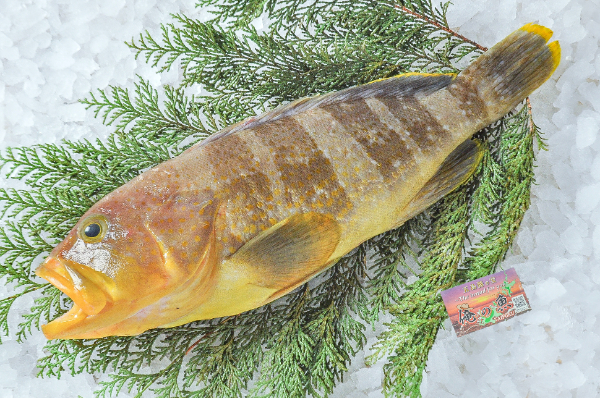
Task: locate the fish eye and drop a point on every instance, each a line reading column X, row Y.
column 93, row 229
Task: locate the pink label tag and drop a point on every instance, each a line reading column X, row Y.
column 485, row 301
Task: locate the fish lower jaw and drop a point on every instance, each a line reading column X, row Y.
column 59, row 328
column 76, row 324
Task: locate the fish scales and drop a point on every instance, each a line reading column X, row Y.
column 261, row 207
column 383, row 145
column 305, row 172
column 297, row 177
column 239, row 180
column 426, row 132
column 351, row 163
column 310, row 179
column 468, row 99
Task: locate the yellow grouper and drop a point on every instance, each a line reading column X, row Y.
column 254, row 211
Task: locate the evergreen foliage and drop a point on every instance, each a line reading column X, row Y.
column 302, row 344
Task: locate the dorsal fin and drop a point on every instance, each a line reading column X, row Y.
column 405, row 85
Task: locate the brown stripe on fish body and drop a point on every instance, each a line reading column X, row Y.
column 402, row 126
column 458, row 109
column 240, row 184
column 389, row 148
column 307, row 173
column 353, row 166
column 467, row 98
column 425, row 131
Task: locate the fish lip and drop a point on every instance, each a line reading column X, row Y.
column 57, row 330
column 55, row 279
column 89, row 297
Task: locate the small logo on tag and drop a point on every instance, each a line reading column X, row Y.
column 485, row 301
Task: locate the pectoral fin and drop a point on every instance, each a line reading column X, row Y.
column 456, row 169
column 289, row 252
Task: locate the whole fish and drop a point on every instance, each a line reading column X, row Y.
column 256, row 210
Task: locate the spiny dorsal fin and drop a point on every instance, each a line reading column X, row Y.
column 405, row 85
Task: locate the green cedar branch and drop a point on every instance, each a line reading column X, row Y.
column 514, row 158
column 351, row 46
column 420, row 312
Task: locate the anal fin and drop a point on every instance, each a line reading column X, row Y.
column 453, row 172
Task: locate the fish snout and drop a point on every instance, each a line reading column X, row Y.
column 72, row 280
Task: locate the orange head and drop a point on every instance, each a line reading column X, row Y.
column 124, row 259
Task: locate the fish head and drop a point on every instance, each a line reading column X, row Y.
column 121, row 258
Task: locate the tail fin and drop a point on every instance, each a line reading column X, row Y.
column 512, row 69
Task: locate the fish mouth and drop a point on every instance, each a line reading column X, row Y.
column 82, row 284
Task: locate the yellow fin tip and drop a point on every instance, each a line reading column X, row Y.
column 555, row 51
column 538, row 30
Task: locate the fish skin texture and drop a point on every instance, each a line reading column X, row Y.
column 259, row 208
